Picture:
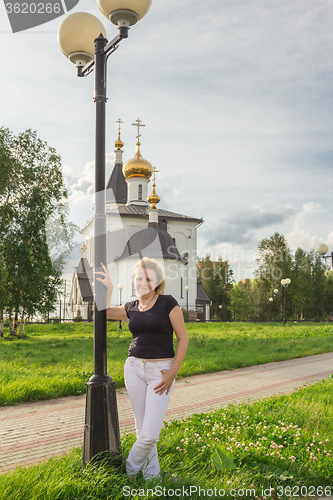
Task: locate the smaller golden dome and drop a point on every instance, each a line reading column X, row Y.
column 137, row 166
column 119, row 143
column 153, row 198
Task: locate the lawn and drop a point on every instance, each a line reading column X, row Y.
column 54, row 360
column 277, row 448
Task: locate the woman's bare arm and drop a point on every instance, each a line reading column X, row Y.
column 177, row 321
column 117, row 313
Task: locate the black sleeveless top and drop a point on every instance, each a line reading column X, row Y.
column 151, row 330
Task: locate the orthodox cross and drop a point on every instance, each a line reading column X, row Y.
column 154, row 172
column 138, row 124
column 119, row 121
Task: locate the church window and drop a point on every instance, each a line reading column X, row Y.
column 181, row 288
column 133, row 290
column 140, row 192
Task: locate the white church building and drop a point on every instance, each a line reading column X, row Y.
column 137, row 228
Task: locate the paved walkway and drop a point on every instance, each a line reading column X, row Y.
column 30, row 432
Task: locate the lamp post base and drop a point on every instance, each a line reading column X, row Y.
column 101, row 430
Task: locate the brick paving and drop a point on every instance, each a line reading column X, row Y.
column 30, row 432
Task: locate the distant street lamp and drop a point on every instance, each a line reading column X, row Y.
column 120, row 287
column 187, row 289
column 82, row 38
column 270, row 305
column 285, row 284
column 322, row 249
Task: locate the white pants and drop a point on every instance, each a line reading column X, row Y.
column 141, row 376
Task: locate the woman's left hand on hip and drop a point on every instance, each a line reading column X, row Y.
column 166, row 382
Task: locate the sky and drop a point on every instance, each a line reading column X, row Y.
column 236, row 97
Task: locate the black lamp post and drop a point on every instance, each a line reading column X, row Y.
column 285, row 284
column 82, row 38
column 322, row 249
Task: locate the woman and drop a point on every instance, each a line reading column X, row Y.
column 151, row 368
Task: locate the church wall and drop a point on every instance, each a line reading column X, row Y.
column 125, row 273
column 115, row 244
column 174, row 272
column 133, row 190
column 184, row 233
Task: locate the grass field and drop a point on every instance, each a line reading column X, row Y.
column 278, row 448
column 57, row 359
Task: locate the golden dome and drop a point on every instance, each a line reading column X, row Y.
column 137, row 166
column 119, row 143
column 153, row 198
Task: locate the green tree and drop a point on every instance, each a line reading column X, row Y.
column 60, row 234
column 306, row 270
column 275, row 262
column 308, row 278
column 216, row 279
column 240, row 297
column 32, row 190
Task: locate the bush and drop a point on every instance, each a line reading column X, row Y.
column 78, row 317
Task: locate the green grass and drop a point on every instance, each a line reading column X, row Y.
column 57, row 359
column 282, row 443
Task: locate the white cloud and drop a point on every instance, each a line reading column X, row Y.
column 300, row 236
column 81, row 191
column 84, row 185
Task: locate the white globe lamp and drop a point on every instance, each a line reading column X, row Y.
column 124, row 13
column 322, row 249
column 76, row 36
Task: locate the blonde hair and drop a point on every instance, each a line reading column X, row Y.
column 147, row 263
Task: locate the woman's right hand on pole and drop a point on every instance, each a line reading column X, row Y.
column 118, row 313
column 106, row 278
